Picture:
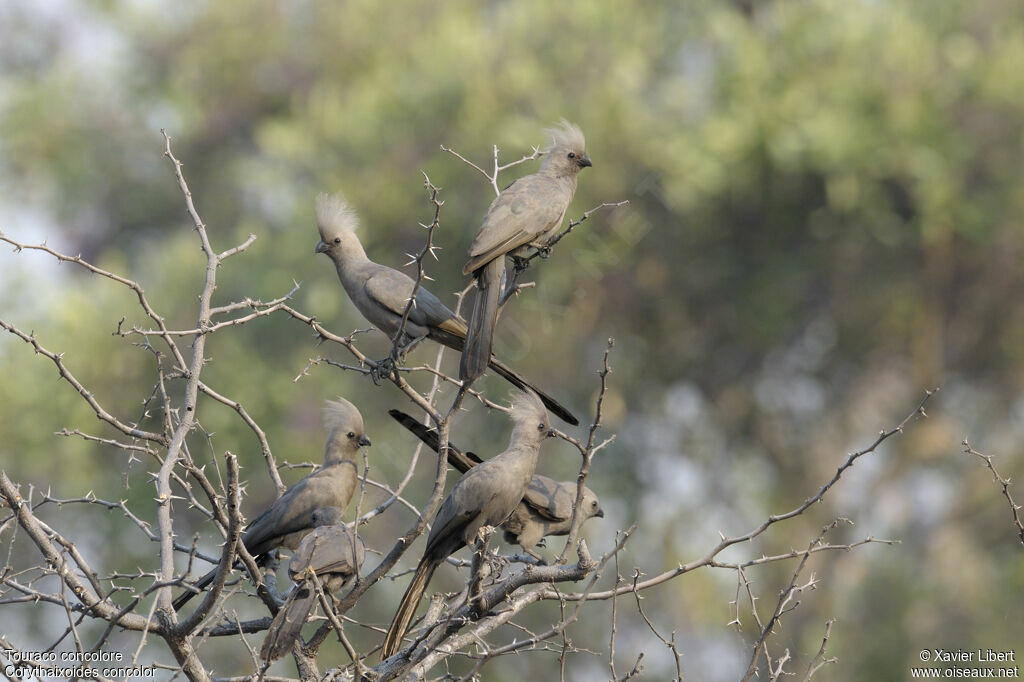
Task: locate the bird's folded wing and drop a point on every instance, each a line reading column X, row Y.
column 391, row 289
column 288, row 514
column 520, row 215
column 546, row 497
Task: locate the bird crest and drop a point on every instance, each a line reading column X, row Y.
column 333, row 215
column 568, row 136
column 527, row 408
column 342, row 414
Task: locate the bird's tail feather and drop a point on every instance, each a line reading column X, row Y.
column 555, row 407
column 287, row 624
column 407, row 609
column 480, row 335
column 462, row 461
column 199, row 585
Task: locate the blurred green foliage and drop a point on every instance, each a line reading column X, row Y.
column 824, row 221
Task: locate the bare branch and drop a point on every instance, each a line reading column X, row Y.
column 523, row 262
column 102, row 414
column 40, row 535
column 819, row 661
column 782, row 607
column 134, row 286
column 709, row 558
column 588, row 451
column 1004, row 484
column 227, row 556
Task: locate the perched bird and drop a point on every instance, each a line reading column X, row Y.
column 546, row 508
column 484, row 496
column 526, row 213
column 333, row 553
column 381, row 294
column 287, row 520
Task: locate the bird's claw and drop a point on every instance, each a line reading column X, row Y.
column 497, row 564
column 382, row 370
column 519, row 263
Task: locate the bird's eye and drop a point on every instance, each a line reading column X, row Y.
column 572, row 155
column 351, row 434
column 337, row 240
column 541, row 426
column 594, row 503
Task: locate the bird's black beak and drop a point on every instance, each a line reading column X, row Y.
column 551, row 433
column 600, row 513
column 322, row 246
column 584, row 161
column 363, row 441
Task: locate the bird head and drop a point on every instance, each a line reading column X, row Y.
column 529, row 417
column 591, row 505
column 337, row 223
column 567, row 154
column 345, row 423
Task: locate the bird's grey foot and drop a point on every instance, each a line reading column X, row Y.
column 520, row 263
column 497, row 563
column 382, row 370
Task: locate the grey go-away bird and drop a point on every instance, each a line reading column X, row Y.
column 334, row 554
column 527, row 213
column 287, row 521
column 546, row 508
column 484, row 496
column 381, row 294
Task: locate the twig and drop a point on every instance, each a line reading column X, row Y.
column 588, row 451
column 725, row 542
column 1004, row 484
column 397, row 348
column 523, row 262
column 670, row 643
column 87, row 395
column 782, row 607
column 819, row 661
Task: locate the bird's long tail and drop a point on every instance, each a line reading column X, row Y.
column 480, row 336
column 555, row 407
column 407, row 609
column 462, row 461
column 287, row 624
column 199, row 585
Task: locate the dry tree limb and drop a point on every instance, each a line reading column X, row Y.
column 1004, row 484
column 87, row 395
column 819, row 661
column 784, row 605
column 709, row 559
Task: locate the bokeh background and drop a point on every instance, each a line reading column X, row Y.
column 824, row 222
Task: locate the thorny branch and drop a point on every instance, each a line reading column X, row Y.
column 523, row 262
column 397, row 350
column 1004, row 484
column 102, row 414
column 784, row 605
column 709, row 559
column 819, row 661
